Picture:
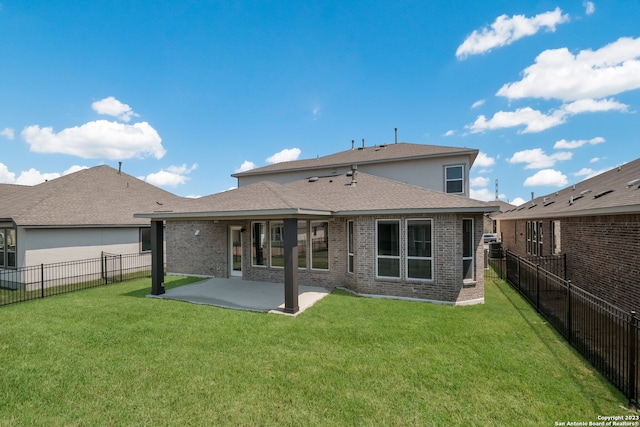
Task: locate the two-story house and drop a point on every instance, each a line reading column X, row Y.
column 392, row 220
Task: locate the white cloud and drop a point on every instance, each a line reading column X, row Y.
column 112, row 107
column 450, row 132
column 484, row 161
column 587, row 173
column 532, row 120
column 74, row 168
column 478, row 104
column 559, row 74
column 479, row 181
column 537, row 159
column 518, row 201
column 483, row 194
column 595, row 160
column 505, row 31
column 285, row 155
column 589, row 7
column 7, row 133
column 546, row 177
column 97, row 139
column 33, row 177
column 537, row 121
column 6, row 177
column 171, row 176
column 245, row 166
column 563, row 144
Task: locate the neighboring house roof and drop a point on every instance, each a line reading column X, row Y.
column 367, row 155
column 322, row 196
column 502, row 207
column 99, row 196
column 613, row 192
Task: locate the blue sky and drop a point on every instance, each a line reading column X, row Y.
column 187, row 93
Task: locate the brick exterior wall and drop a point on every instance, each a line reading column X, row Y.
column 603, row 253
column 207, row 254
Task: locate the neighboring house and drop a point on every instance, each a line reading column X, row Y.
column 77, row 216
column 436, row 167
column 490, row 223
column 352, row 229
column 596, row 223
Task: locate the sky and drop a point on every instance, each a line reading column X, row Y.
column 186, row 93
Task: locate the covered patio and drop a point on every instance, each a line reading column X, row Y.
column 241, row 294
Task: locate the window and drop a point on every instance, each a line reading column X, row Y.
column 258, row 244
column 555, row 237
column 467, row 249
column 388, row 248
column 320, row 245
column 540, row 243
column 8, row 247
column 302, row 244
column 277, row 244
column 145, row 239
column 350, row 255
column 535, row 243
column 454, row 179
column 419, row 249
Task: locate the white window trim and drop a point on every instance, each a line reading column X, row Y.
column 407, row 257
column 310, row 244
column 264, row 223
column 398, row 257
column 271, row 223
column 463, row 178
column 351, row 255
column 473, row 252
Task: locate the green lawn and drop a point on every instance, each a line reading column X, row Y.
column 110, row 356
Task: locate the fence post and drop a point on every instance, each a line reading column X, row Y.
column 633, row 354
column 564, row 267
column 120, row 259
column 41, row 280
column 518, row 268
column 568, row 332
column 538, row 288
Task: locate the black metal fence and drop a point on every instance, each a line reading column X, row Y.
column 27, row 283
column 604, row 334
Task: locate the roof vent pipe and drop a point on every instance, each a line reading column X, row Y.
column 362, row 143
column 396, row 131
column 353, row 144
column 119, row 168
column 354, row 171
column 532, row 195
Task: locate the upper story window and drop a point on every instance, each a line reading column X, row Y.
column 454, row 179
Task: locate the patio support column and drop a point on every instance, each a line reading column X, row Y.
column 157, row 257
column 291, row 265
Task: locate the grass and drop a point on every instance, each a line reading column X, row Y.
column 110, row 356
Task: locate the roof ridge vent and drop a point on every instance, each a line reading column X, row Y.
column 602, row 193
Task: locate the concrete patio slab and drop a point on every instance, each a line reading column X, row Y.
column 241, row 294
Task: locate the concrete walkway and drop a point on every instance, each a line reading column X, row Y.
column 244, row 295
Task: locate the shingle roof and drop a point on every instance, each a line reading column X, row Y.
column 377, row 154
column 324, row 196
column 99, row 196
column 611, row 192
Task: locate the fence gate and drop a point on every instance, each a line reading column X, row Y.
column 111, row 268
